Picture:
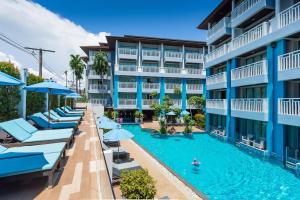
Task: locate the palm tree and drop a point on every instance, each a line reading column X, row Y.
column 101, row 65
column 77, row 66
column 198, row 102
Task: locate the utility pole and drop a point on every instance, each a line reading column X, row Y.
column 40, row 50
column 66, row 73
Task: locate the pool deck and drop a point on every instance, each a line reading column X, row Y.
column 168, row 186
column 155, row 126
column 84, row 174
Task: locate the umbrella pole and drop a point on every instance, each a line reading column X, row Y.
column 48, row 111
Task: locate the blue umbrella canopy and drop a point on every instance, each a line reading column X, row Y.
column 171, row 113
column 8, row 80
column 184, row 113
column 107, row 123
column 48, row 86
column 118, row 134
column 73, row 95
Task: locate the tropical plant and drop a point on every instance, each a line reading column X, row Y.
column 9, row 95
column 138, row 115
column 115, row 114
column 167, row 104
column 200, row 120
column 198, row 102
column 154, row 94
column 77, row 66
column 188, row 123
column 157, row 108
column 177, row 90
column 162, row 126
column 137, row 184
column 177, row 111
column 100, row 64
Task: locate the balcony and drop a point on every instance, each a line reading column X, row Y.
column 193, row 57
column 289, row 15
column 173, row 56
column 150, row 69
column 171, row 86
column 173, row 70
column 148, row 102
column 216, row 81
column 216, row 53
column 92, row 75
column 194, row 88
column 216, row 106
column 127, row 103
column 251, row 74
column 94, row 88
column 219, row 30
column 289, row 66
column 177, row 103
column 289, row 111
column 150, row 54
column 103, row 102
column 127, row 68
column 194, row 71
column 151, row 87
column 127, row 87
column 249, row 8
column 251, row 108
column 250, row 36
column 127, row 53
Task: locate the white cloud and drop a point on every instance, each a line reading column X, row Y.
column 32, row 25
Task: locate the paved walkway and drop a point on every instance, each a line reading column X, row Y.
column 84, row 175
column 168, row 186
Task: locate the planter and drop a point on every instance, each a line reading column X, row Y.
column 138, row 120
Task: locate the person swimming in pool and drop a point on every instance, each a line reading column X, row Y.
column 195, row 162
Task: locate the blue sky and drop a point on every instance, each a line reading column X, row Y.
column 159, row 18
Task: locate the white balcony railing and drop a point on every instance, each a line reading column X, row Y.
column 216, row 78
column 98, row 87
column 289, row 15
column 176, row 102
column 223, row 23
column 250, row 36
column 151, row 86
column 250, row 105
column 149, row 102
column 93, row 73
column 289, row 61
column 173, row 70
column 127, row 51
column 172, row 54
column 194, row 87
column 127, row 68
column 289, row 106
column 129, row 85
column 194, row 71
column 172, row 86
column 151, row 53
column 150, row 69
column 216, row 53
column 194, row 56
column 255, row 69
column 99, row 101
column 243, row 7
column 216, row 103
column 127, row 102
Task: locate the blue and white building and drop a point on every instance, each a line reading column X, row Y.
column 143, row 66
column 253, row 75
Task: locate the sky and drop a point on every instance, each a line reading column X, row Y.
column 64, row 25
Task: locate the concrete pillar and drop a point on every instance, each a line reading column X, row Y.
column 116, row 95
column 183, row 93
column 139, row 92
column 46, row 100
column 183, row 57
column 228, row 96
column 117, row 54
column 277, row 7
column 140, row 56
column 23, row 94
column 162, row 89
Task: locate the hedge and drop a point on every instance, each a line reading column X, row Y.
column 35, row 101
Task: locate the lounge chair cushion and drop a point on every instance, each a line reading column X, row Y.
column 15, row 130
column 2, row 148
column 42, row 121
column 54, row 117
column 47, row 135
column 25, row 125
column 63, row 114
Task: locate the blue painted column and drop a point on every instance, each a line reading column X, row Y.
column 270, row 89
column 116, row 88
column 139, row 92
column 228, row 96
column 207, row 96
column 162, row 89
column 232, row 96
column 183, row 93
column 279, row 137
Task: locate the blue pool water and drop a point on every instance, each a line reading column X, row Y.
column 225, row 171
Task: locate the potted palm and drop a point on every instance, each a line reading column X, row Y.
column 138, row 117
column 177, row 111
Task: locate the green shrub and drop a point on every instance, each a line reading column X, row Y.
column 35, row 101
column 138, row 115
column 9, row 95
column 189, row 123
column 163, row 126
column 137, row 184
column 115, row 114
column 200, row 120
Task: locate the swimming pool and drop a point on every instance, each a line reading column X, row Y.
column 225, row 171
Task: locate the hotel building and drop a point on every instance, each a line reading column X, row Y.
column 145, row 69
column 253, row 75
